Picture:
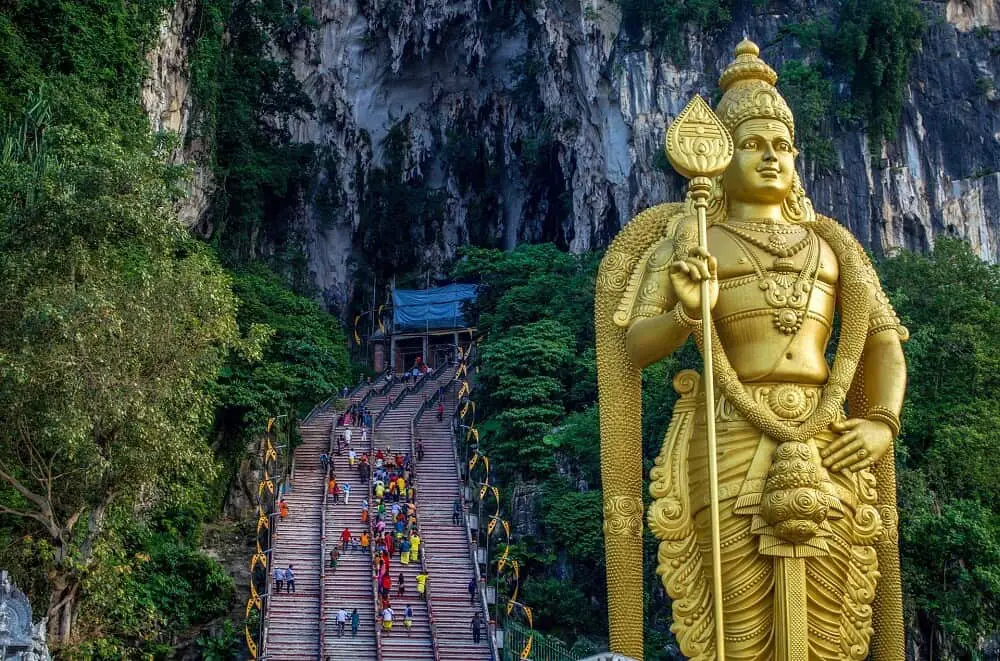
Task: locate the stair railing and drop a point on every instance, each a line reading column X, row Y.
column 426, row 404
column 371, row 540
column 322, row 538
column 484, row 604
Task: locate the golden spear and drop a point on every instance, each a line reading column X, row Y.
column 700, row 148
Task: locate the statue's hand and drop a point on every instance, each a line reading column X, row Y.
column 686, row 276
column 861, row 443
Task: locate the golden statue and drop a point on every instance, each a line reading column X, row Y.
column 780, row 500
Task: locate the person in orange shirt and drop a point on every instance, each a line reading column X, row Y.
column 283, row 509
column 365, row 541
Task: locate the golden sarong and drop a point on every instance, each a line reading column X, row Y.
column 767, row 582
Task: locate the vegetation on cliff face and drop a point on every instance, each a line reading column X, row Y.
column 866, row 43
column 538, row 424
column 125, row 347
column 243, row 99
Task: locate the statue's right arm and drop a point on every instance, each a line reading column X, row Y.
column 654, row 338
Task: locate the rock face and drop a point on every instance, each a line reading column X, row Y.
column 535, row 121
column 166, row 98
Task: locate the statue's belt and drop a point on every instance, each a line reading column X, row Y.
column 791, row 402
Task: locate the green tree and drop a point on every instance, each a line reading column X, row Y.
column 950, row 530
column 115, row 322
column 304, row 360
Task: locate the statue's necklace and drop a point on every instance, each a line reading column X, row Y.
column 776, row 243
column 787, row 295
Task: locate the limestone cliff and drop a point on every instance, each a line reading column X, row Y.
column 537, row 120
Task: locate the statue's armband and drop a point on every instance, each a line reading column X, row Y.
column 648, row 293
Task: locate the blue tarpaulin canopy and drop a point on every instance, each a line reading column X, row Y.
column 430, row 309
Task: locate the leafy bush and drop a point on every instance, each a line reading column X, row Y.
column 810, row 96
column 303, row 362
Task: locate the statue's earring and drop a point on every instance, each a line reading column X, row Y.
column 716, row 211
column 797, row 207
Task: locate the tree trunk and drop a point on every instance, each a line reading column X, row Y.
column 62, row 610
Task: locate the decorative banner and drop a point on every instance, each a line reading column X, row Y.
column 270, row 423
column 502, row 562
column 251, row 643
column 257, row 558
column 474, row 434
column 378, row 315
column 262, row 521
column 464, row 390
column 526, row 652
column 266, row 483
column 461, row 371
column 357, row 338
column 270, row 454
column 473, row 461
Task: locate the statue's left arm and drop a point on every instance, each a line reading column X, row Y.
column 876, row 397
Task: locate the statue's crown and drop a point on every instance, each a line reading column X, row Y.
column 749, row 91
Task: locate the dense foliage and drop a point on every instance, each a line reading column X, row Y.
column 116, row 322
column 303, row 363
column 244, row 99
column 869, row 45
column 123, row 339
column 539, row 426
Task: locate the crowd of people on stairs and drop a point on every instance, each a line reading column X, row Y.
column 388, row 530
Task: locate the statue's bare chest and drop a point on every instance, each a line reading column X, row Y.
column 739, row 256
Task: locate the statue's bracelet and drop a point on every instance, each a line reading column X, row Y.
column 685, row 320
column 882, row 414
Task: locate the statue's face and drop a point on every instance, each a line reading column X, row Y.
column 763, row 165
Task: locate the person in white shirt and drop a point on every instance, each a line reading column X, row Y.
column 341, row 622
column 387, row 620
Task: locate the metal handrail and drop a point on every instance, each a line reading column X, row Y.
column 371, row 542
column 408, row 389
column 421, row 408
column 316, row 409
column 283, row 469
column 543, row 648
column 465, row 516
column 322, row 539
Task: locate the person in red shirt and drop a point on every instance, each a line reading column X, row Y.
column 386, row 584
column 345, row 538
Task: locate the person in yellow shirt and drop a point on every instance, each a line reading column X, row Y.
column 422, row 585
column 414, row 547
column 379, row 490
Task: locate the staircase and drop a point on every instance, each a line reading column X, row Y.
column 448, row 556
column 349, row 586
column 417, row 644
column 441, row 626
column 293, row 629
